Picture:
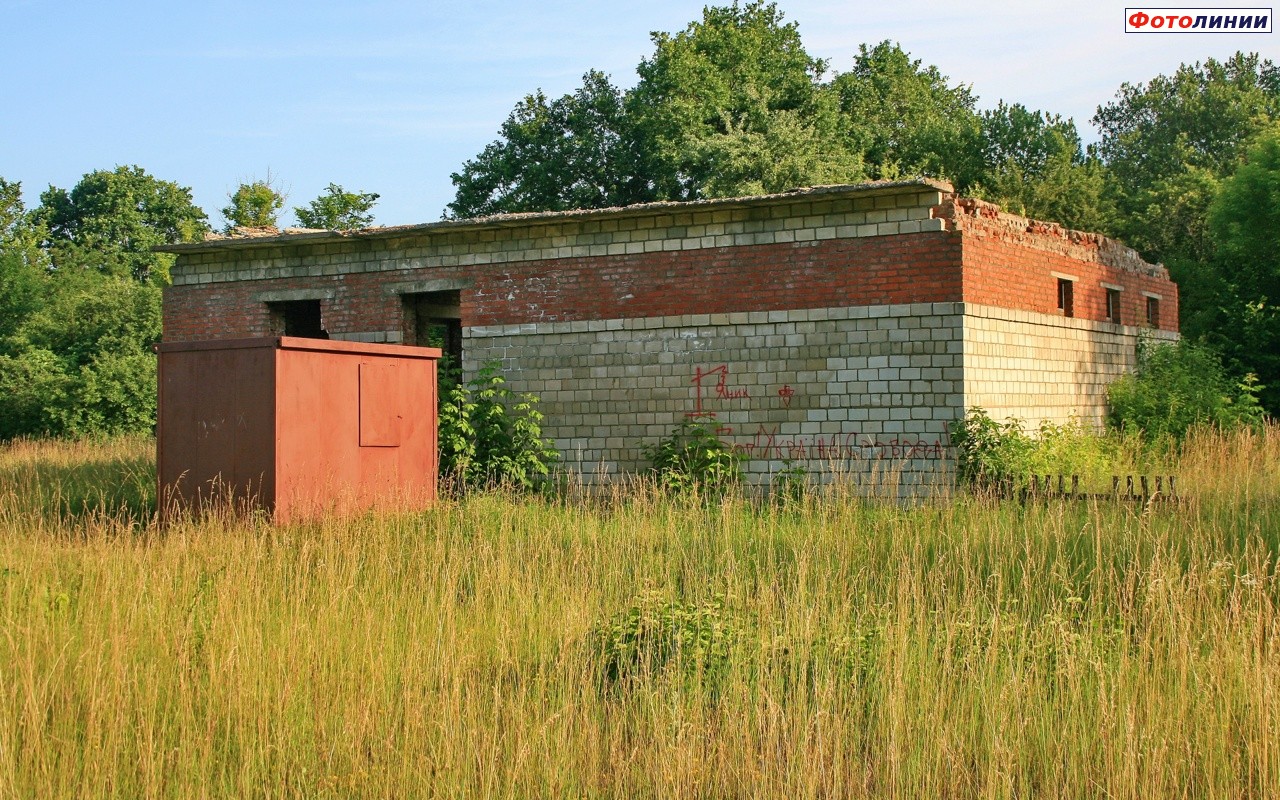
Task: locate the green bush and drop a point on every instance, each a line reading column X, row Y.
column 657, row 634
column 1179, row 386
column 791, row 484
column 994, row 455
column 694, row 459
column 989, row 454
column 490, row 435
column 81, row 364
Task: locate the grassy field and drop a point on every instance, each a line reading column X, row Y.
column 639, row 647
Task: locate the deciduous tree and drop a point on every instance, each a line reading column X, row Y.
column 255, row 204
column 734, row 104
column 908, row 119
column 111, row 219
column 1244, row 221
column 1033, row 163
column 572, row 152
column 1192, row 125
column 23, row 268
column 337, row 210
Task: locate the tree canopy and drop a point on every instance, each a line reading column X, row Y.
column 905, row 118
column 255, row 204
column 111, row 219
column 337, row 210
column 1168, row 141
column 1244, row 222
column 80, row 306
column 1033, row 163
column 571, row 152
column 733, row 104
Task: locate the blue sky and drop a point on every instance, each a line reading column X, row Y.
column 391, row 97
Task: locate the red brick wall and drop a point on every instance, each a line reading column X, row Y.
column 1002, row 266
column 909, row 268
column 1012, row 275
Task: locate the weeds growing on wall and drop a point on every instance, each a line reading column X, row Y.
column 490, row 435
column 693, row 459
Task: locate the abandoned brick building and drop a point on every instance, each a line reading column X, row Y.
column 844, row 324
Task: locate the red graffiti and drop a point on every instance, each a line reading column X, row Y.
column 767, row 444
column 722, row 390
column 786, row 393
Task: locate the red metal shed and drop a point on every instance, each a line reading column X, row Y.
column 300, row 427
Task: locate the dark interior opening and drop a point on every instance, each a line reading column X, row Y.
column 297, row 318
column 434, row 319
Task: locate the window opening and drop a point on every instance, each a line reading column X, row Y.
column 1113, row 305
column 297, row 318
column 1153, row 312
column 1066, row 297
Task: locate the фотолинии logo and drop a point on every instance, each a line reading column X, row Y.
column 1197, row 20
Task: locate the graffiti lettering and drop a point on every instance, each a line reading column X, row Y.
column 767, row 444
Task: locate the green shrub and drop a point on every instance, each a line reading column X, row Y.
column 989, row 454
column 1071, row 449
column 490, row 435
column 1179, row 386
column 81, row 364
column 657, row 634
column 694, row 459
column 993, row 455
column 791, row 484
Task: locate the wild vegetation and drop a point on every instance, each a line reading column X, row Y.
column 642, row 644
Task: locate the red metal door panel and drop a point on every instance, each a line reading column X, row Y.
column 381, row 409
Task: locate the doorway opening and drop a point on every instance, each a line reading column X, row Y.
column 434, row 319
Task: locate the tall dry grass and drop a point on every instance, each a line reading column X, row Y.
column 961, row 649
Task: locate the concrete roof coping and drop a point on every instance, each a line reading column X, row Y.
column 264, row 238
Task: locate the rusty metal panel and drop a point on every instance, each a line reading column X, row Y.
column 289, row 422
column 215, row 432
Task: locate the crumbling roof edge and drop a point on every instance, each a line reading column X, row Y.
column 288, row 237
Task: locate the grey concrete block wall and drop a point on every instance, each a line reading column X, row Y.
column 1044, row 368
column 856, row 389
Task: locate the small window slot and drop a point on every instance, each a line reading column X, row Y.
column 1066, row 297
column 1113, row 306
